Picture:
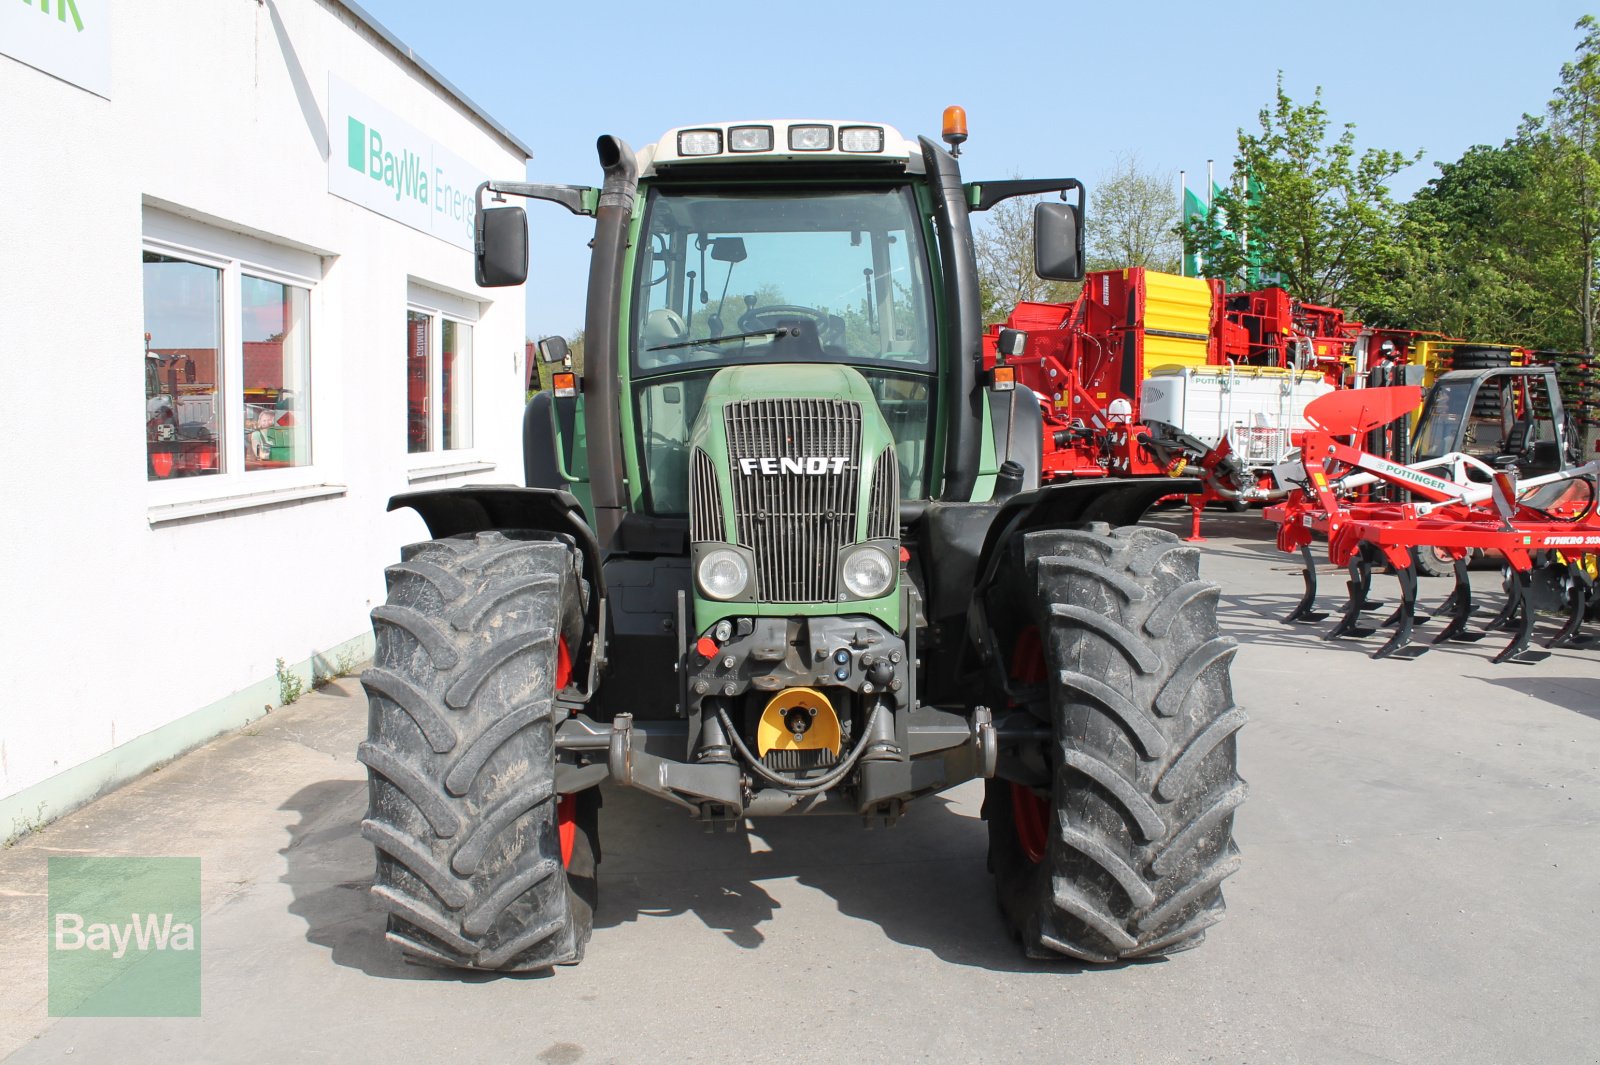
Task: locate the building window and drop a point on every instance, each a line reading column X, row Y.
column 438, row 389
column 183, row 362
column 456, row 373
column 227, row 362
column 277, row 374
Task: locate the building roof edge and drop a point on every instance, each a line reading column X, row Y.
column 421, row 64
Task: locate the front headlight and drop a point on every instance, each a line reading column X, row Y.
column 723, row 574
column 868, row 572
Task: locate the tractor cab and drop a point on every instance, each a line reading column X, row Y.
column 1506, row 416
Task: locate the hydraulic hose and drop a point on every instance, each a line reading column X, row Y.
column 796, row 785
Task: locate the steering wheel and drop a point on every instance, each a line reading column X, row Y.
column 767, row 315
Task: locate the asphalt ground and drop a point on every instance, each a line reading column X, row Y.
column 1421, row 884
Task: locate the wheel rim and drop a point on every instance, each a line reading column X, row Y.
column 563, row 664
column 567, row 827
column 1031, row 816
column 1029, row 813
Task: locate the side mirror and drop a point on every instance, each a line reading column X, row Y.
column 502, row 246
column 553, row 349
column 1058, row 242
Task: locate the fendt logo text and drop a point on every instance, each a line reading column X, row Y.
column 772, row 467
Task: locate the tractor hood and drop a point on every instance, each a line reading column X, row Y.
column 792, row 467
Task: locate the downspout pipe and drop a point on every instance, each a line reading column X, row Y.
column 601, row 327
column 963, row 400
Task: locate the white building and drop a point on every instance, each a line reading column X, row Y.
column 239, row 315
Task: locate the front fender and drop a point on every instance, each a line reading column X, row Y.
column 469, row 509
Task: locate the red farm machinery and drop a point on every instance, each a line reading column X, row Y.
column 1276, row 401
column 1495, row 474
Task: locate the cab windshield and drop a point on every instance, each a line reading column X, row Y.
column 778, row 276
column 791, row 276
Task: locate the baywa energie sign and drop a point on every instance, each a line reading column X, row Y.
column 388, row 166
column 69, row 39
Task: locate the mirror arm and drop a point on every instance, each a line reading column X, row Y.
column 579, row 199
column 990, row 193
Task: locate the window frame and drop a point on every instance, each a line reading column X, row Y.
column 440, row 305
column 235, row 255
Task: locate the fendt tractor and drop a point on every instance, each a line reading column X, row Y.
column 783, row 549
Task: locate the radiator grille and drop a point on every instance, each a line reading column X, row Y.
column 794, row 522
column 705, row 502
column 883, row 510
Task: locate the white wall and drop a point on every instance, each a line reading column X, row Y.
column 117, row 627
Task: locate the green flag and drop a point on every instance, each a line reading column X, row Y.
column 1193, row 211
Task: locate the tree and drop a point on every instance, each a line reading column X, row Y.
column 1573, row 180
column 1305, row 209
column 1133, row 219
column 1478, row 259
column 1004, row 245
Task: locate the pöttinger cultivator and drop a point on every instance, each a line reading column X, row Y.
column 1546, row 528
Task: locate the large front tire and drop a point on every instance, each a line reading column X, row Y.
column 480, row 863
column 1122, row 853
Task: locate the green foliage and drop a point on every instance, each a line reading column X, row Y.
column 1133, row 219
column 1477, row 258
column 290, row 686
column 1004, row 243
column 1305, row 210
column 1569, row 190
column 1502, row 244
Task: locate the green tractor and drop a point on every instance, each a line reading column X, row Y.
column 783, row 549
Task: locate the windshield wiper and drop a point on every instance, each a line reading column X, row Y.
column 781, row 331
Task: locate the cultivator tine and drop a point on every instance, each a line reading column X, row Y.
column 1359, row 584
column 1305, row 613
column 1459, row 607
column 1404, row 618
column 1506, row 618
column 1580, row 597
column 1522, row 610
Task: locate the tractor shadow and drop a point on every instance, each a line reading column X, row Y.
column 329, row 869
column 922, row 883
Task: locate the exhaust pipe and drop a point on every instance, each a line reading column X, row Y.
column 601, row 328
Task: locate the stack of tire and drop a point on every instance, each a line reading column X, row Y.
column 1580, row 390
column 1483, row 357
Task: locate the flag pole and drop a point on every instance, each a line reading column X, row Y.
column 1183, row 216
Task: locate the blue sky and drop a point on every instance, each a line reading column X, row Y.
column 1050, row 89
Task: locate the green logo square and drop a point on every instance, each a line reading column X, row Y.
column 124, row 937
column 355, row 145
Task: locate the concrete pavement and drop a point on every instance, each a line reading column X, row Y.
column 1421, row 884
